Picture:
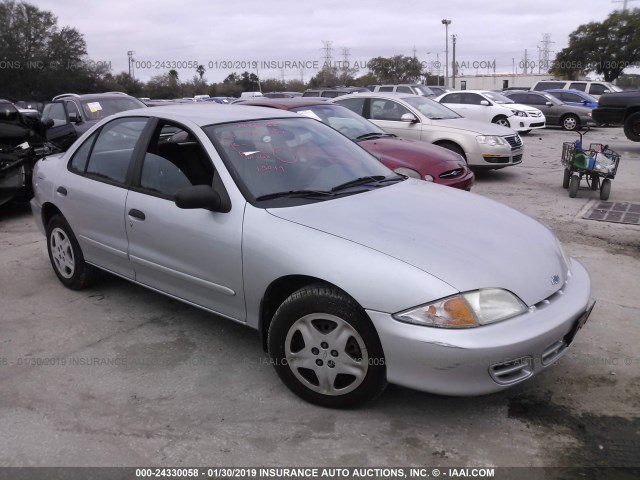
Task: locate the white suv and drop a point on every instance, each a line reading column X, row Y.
column 487, row 106
column 595, row 89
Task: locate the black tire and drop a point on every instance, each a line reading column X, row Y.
column 573, row 186
column 501, row 120
column 454, row 147
column 566, row 178
column 570, row 122
column 66, row 256
column 632, row 127
column 595, row 182
column 318, row 310
column 605, row 189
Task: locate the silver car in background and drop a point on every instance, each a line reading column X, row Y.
column 353, row 275
column 483, row 145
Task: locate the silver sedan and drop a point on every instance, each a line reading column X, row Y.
column 353, row 275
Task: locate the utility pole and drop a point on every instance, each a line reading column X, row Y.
column 453, row 61
column 446, row 24
column 624, row 3
column 130, row 54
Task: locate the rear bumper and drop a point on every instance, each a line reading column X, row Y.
column 485, row 359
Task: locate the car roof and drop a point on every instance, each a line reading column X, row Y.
column 203, row 114
column 389, row 95
column 568, row 90
column 92, row 96
column 287, row 103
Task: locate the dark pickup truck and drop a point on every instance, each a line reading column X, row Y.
column 621, row 108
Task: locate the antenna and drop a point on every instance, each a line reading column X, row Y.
column 543, row 53
column 328, row 52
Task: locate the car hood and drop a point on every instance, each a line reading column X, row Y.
column 413, row 154
column 465, row 240
column 474, row 126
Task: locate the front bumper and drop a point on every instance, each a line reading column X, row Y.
column 485, row 359
column 524, row 124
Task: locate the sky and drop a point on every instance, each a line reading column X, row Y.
column 262, row 36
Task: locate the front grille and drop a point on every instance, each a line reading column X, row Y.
column 515, row 141
column 535, row 114
column 452, row 173
column 512, row 371
column 539, row 124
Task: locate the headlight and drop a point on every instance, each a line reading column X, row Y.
column 589, row 114
column 490, row 140
column 428, row 178
column 519, row 113
column 408, row 172
column 466, row 310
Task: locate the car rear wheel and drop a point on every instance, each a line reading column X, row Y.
column 632, row 127
column 570, row 122
column 573, row 186
column 66, row 256
column 501, row 120
column 325, row 348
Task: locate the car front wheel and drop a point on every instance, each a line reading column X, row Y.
column 66, row 256
column 325, row 348
column 570, row 123
column 501, row 120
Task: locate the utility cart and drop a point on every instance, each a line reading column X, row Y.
column 598, row 165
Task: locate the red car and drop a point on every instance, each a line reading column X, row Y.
column 408, row 157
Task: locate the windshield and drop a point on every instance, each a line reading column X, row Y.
column 292, row 155
column 431, row 109
column 612, row 87
column 103, row 107
column 497, row 97
column 342, row 119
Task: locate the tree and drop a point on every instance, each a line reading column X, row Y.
column 39, row 58
column 397, row 69
column 606, row 48
column 200, row 71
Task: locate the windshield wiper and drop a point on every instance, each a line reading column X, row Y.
column 295, row 193
column 374, row 134
column 358, row 181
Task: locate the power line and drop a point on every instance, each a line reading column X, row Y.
column 624, row 3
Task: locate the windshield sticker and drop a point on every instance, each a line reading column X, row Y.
column 94, row 107
column 266, row 139
column 309, row 113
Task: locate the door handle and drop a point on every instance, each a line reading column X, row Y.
column 62, row 191
column 136, row 214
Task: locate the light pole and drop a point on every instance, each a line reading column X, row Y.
column 446, row 24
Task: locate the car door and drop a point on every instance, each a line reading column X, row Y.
column 474, row 109
column 92, row 193
column 455, row 102
column 551, row 112
column 193, row 254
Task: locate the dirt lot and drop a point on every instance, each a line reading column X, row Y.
column 198, row 390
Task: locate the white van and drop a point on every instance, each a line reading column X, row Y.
column 595, row 89
column 250, row 94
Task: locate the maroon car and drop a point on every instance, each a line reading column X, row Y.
column 408, row 157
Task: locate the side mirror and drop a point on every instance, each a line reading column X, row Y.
column 198, row 196
column 48, row 123
column 73, row 117
column 409, row 118
column 484, row 102
column 585, row 102
column 549, row 104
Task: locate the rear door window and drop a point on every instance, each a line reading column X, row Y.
column 582, row 86
column 113, row 149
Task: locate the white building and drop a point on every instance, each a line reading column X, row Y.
column 498, row 81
